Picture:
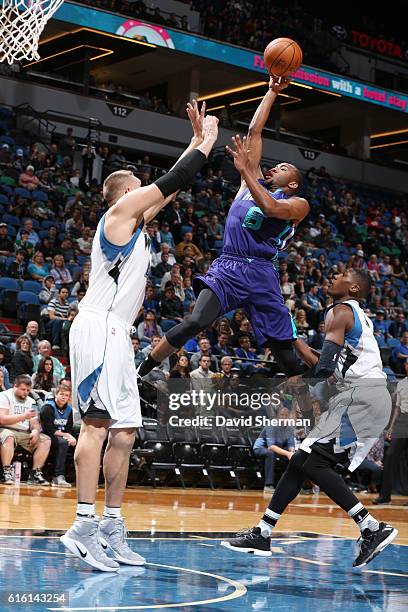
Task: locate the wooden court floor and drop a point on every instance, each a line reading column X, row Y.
column 191, row 510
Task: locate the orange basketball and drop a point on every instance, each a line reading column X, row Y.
column 282, row 57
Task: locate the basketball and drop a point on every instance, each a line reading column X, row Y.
column 282, row 57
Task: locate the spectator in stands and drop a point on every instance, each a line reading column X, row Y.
column 6, row 244
column 166, row 236
column 57, row 422
column 58, row 313
column 44, row 350
column 88, row 158
column 22, row 361
column 3, row 369
column 47, row 293
column 302, row 326
column 2, row 381
column 372, row 465
column 23, row 244
column 380, row 327
column 32, row 333
column 164, row 248
column 201, row 376
column 116, row 160
column 398, row 326
column 398, row 270
column 399, row 355
column 60, row 273
column 275, row 442
column 222, row 348
column 317, row 339
column 19, row 425
column 85, row 242
column 374, row 267
column 244, row 330
column 172, row 215
column 33, row 237
column 18, row 268
column 312, row 306
column 171, row 306
column 188, row 241
column 204, row 349
column 215, row 233
column 151, row 302
column 163, row 267
column 246, row 354
column 181, row 369
column 37, row 269
column 82, row 284
column 44, row 379
column 138, row 354
column 149, row 327
column 385, row 266
column 28, row 179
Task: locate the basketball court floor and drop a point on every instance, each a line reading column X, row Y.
column 179, row 531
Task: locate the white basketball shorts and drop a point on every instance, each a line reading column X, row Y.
column 103, row 369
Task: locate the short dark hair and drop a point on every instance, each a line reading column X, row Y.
column 298, row 176
column 22, row 379
column 363, row 278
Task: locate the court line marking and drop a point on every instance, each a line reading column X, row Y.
column 386, row 573
column 240, row 589
column 308, row 561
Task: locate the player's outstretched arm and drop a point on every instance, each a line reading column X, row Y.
column 133, row 205
column 196, row 117
column 259, row 121
column 293, row 209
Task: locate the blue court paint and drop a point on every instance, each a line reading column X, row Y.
column 306, row 573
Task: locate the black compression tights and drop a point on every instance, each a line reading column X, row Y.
column 319, row 470
column 207, row 308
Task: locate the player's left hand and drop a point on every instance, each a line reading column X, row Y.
column 240, row 153
column 196, row 117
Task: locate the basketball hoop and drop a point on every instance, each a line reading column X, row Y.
column 21, row 25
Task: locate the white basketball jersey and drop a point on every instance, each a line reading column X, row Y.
column 360, row 357
column 118, row 274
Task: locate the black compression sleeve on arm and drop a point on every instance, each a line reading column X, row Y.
column 327, row 362
column 182, row 174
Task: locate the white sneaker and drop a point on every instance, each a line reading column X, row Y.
column 8, row 474
column 82, row 539
column 112, row 533
column 59, row 481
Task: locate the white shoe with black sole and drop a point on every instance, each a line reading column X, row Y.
column 249, row 541
column 371, row 543
column 82, row 540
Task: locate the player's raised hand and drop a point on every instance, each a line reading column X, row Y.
column 196, row 117
column 240, row 153
column 210, row 128
column 277, row 84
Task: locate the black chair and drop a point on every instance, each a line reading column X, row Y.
column 153, row 436
column 240, row 454
column 9, row 302
column 216, row 460
column 188, row 459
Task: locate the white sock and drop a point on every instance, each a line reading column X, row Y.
column 110, row 512
column 268, row 522
column 85, row 510
column 363, row 518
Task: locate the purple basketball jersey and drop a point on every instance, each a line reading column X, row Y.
column 250, row 233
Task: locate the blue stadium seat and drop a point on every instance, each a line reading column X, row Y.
column 392, row 342
column 61, row 236
column 7, row 140
column 11, row 220
column 36, row 224
column 82, row 259
column 1, row 209
column 27, row 297
column 6, row 189
column 32, row 286
column 3, row 199
column 43, row 233
column 39, row 195
column 186, row 228
column 22, row 192
column 12, row 232
column 9, row 284
column 46, row 224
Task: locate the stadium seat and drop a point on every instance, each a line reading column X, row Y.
column 11, row 220
column 28, row 307
column 7, row 180
column 46, row 224
column 22, row 192
column 35, row 222
column 12, row 231
column 7, row 140
column 9, row 284
column 41, row 196
column 6, row 189
column 43, row 233
column 392, row 343
column 215, row 459
column 4, row 199
column 32, row 286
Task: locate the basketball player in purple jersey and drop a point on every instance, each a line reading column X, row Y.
column 262, row 218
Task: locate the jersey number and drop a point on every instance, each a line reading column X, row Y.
column 253, row 219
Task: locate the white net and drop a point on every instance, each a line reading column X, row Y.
column 21, row 25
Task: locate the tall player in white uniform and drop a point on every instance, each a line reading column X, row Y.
column 103, row 373
column 356, row 416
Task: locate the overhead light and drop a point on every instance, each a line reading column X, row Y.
column 126, row 38
column 301, row 85
column 245, row 101
column 48, row 57
column 389, row 144
column 383, row 134
column 329, row 93
column 214, row 108
column 225, row 92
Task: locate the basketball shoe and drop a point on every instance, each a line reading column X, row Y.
column 371, row 543
column 112, row 534
column 249, row 541
column 82, row 539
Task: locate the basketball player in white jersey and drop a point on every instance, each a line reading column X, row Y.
column 356, row 416
column 104, row 379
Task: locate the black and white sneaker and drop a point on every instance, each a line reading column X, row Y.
column 36, row 478
column 249, row 541
column 371, row 543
